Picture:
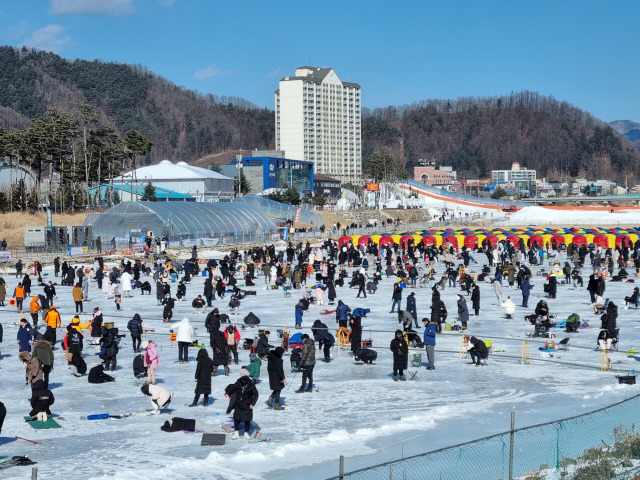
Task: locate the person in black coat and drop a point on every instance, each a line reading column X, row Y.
column 212, row 323
column 74, row 340
column 41, row 401
column 208, row 291
column 325, row 342
column 411, row 307
column 331, row 292
column 436, row 313
column 220, row 352
column 356, row 333
column 204, row 371
column 400, row 351
column 318, row 326
column 553, row 286
column 97, row 375
column 78, row 362
column 475, row 299
column 181, row 290
column 135, row 327
column 244, row 396
column 277, row 380
column 3, row 413
column 478, row 351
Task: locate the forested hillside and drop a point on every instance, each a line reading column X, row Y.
column 182, row 124
column 476, row 135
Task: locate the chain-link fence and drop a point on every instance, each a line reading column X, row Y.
column 599, row 445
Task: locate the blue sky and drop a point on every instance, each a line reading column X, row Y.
column 584, row 52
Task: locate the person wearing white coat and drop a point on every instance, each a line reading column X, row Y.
column 509, row 307
column 125, row 281
column 160, row 397
column 184, row 335
column 85, row 288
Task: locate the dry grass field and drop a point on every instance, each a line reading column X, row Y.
column 12, row 224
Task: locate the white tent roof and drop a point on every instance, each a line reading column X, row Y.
column 165, row 170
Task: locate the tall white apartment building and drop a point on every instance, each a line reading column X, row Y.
column 318, row 120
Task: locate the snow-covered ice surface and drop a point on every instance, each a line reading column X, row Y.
column 358, row 411
column 542, row 216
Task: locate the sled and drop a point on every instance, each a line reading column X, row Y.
column 50, row 423
column 17, row 461
column 326, row 312
column 212, row 439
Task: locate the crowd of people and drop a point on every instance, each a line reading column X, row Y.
column 332, row 269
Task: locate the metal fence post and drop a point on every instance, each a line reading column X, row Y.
column 34, row 473
column 341, row 468
column 511, row 435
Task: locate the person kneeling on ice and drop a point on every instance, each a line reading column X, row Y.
column 198, row 305
column 243, row 396
column 509, row 307
column 97, row 375
column 400, row 351
column 160, row 397
column 204, row 370
column 478, row 351
column 277, row 380
column 41, row 400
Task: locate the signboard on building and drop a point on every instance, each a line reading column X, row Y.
column 75, row 251
column 373, row 187
column 210, row 242
column 5, row 256
column 173, row 244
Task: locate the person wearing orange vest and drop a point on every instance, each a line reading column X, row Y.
column 34, row 308
column 18, row 294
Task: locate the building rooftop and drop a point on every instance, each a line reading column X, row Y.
column 324, row 178
column 166, row 170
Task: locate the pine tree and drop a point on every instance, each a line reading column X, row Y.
column 149, row 193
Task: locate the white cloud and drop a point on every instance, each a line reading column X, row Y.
column 103, row 8
column 275, row 73
column 209, row 72
column 17, row 32
column 50, row 38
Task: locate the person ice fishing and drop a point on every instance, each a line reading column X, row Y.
column 135, row 327
column 184, row 335
column 160, row 397
column 204, row 370
column 151, row 360
column 243, row 396
column 430, row 342
column 307, row 363
column 478, row 351
column 400, row 351
column 277, row 379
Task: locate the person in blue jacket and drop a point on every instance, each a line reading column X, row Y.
column 299, row 313
column 525, row 287
column 24, row 336
column 342, row 314
column 429, row 341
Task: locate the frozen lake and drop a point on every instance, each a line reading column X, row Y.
column 358, row 412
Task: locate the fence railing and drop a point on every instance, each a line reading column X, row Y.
column 599, row 445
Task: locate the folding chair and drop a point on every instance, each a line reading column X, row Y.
column 165, row 408
column 416, row 361
column 413, row 375
column 563, row 345
column 286, row 292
